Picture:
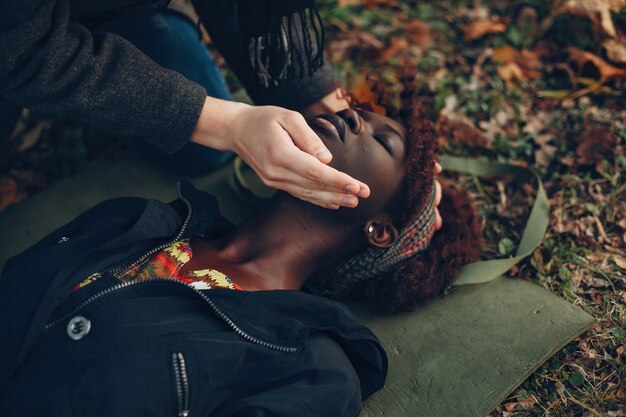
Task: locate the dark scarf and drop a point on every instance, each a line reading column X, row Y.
column 284, row 38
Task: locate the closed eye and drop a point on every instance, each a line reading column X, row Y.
column 385, row 142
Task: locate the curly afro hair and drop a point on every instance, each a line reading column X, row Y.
column 457, row 243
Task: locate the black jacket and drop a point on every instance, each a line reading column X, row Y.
column 160, row 347
column 52, row 62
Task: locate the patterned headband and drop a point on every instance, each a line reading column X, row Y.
column 414, row 238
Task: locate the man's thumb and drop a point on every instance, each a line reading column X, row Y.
column 307, row 140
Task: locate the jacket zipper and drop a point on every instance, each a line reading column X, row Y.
column 182, row 383
column 218, row 312
column 165, row 245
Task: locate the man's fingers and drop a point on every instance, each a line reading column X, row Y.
column 325, row 199
column 305, row 138
column 309, row 172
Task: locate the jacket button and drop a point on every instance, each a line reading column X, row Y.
column 78, row 327
column 63, row 239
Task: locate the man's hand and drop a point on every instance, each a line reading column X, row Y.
column 281, row 148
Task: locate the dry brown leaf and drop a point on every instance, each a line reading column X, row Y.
column 418, row 32
column 477, row 29
column 530, row 62
column 344, row 3
column 363, row 94
column 525, row 404
column 518, row 65
column 607, row 71
column 378, row 3
column 354, row 41
column 396, row 45
column 560, row 389
column 505, row 54
column 615, row 49
column 546, row 151
column 462, row 130
column 598, row 11
column 511, row 72
column 595, row 143
column 621, row 392
column 619, row 261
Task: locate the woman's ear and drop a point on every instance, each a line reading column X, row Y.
column 381, row 232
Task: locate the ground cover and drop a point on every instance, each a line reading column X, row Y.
column 534, row 83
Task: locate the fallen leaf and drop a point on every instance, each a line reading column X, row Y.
column 621, row 393
column 607, row 71
column 560, row 389
column 344, row 3
column 418, row 32
column 595, row 143
column 615, row 50
column 619, row 261
column 511, row 72
column 477, row 29
column 505, row 54
column 354, row 42
column 378, row 3
column 518, row 65
column 396, row 45
column 462, row 130
column 524, row 404
column 459, row 127
column 598, row 11
column 546, row 151
column 363, row 94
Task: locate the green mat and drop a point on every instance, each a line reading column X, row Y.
column 459, row 355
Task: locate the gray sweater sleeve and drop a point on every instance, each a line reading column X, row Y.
column 53, row 65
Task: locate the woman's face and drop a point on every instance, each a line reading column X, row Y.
column 369, row 147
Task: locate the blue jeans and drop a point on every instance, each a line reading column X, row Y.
column 173, row 42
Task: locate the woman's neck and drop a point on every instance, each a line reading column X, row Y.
column 278, row 248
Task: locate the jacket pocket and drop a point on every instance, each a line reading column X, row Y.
column 182, row 383
column 134, row 381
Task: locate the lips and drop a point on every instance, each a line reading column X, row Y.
column 334, row 124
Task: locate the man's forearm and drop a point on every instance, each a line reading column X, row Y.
column 54, row 65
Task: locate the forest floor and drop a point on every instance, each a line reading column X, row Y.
column 534, row 83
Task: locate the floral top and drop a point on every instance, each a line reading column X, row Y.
column 166, row 264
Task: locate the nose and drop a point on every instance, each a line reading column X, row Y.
column 353, row 120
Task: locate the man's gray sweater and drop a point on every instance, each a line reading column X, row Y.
column 52, row 63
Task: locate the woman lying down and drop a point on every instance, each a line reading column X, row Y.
column 141, row 308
